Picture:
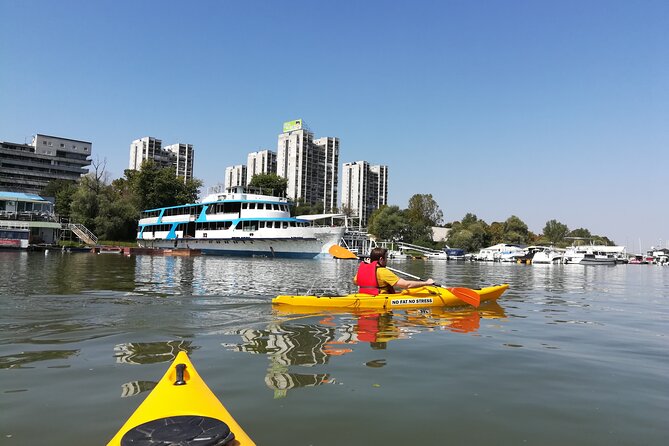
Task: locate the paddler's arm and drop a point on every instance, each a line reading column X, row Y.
column 402, row 283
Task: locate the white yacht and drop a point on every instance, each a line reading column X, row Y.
column 239, row 223
column 501, row 252
column 594, row 254
column 549, row 255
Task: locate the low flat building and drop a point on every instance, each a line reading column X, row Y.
column 29, row 168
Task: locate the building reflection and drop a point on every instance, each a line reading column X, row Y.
column 21, row 360
column 290, row 342
column 150, row 352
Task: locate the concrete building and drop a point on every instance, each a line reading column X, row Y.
column 261, row 162
column 235, row 176
column 310, row 166
column 364, row 189
column 177, row 156
column 30, row 168
column 183, row 157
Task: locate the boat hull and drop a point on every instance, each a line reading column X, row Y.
column 315, row 245
column 421, row 297
column 280, row 248
column 168, row 400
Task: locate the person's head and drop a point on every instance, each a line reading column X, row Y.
column 378, row 254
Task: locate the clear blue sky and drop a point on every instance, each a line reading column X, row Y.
column 543, row 110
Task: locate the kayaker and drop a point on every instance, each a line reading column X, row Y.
column 374, row 278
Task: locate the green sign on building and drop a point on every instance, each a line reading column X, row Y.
column 292, row 125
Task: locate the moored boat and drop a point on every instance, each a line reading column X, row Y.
column 181, row 410
column 240, row 223
column 548, row 255
column 594, row 254
column 420, row 297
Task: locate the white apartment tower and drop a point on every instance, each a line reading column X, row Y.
column 235, row 176
column 177, row 156
column 260, row 163
column 310, row 166
column 364, row 189
column 182, row 157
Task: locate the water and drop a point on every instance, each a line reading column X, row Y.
column 571, row 354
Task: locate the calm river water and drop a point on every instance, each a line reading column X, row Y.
column 571, row 354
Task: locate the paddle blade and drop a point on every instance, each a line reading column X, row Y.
column 339, row 252
column 466, row 295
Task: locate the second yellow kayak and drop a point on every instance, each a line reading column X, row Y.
column 181, row 410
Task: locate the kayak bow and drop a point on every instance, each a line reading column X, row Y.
column 181, row 410
column 419, row 297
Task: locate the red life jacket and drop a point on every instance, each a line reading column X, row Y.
column 367, row 282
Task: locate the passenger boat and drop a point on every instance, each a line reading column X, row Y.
column 181, row 410
column 419, row 297
column 239, row 222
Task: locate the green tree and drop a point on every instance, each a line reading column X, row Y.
column 581, row 233
column 272, row 183
column 469, row 219
column 496, row 232
column 423, row 209
column 84, row 207
column 388, row 223
column 302, row 208
column 155, row 187
column 515, row 230
column 62, row 191
column 555, row 232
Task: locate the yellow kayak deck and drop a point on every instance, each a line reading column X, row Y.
column 191, row 397
column 420, row 297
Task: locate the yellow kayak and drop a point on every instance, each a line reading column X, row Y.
column 420, row 297
column 181, row 410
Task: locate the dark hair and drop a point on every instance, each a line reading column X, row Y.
column 378, row 253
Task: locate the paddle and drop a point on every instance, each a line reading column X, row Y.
column 339, row 252
column 466, row 295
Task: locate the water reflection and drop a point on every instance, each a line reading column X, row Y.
column 150, row 352
column 20, row 360
column 313, row 340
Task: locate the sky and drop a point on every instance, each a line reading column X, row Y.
column 543, row 110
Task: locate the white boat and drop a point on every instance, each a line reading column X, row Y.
column 548, row 255
column 398, row 255
column 594, row 254
column 436, row 256
column 239, row 223
column 501, row 252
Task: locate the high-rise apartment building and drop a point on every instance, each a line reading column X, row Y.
column 364, row 189
column 235, row 176
column 177, row 156
column 260, row 163
column 310, row 166
column 30, row 168
column 182, row 156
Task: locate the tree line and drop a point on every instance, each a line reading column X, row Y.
column 414, row 225
column 111, row 210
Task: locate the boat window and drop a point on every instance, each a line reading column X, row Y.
column 245, row 205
